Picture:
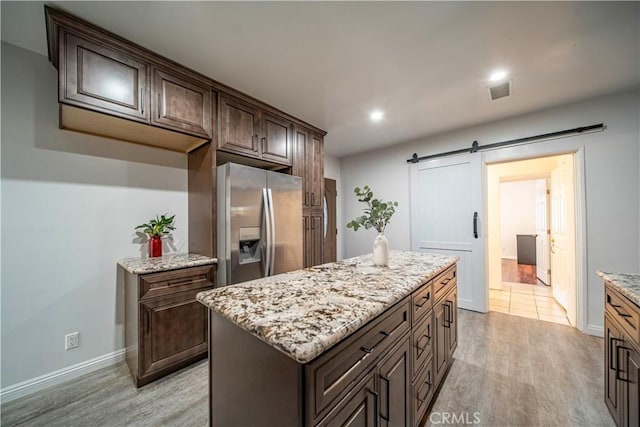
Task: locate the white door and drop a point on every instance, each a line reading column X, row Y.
column 446, row 200
column 542, row 238
column 563, row 261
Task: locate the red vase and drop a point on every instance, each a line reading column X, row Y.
column 155, row 246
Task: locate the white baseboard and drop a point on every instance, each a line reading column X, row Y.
column 24, row 388
column 596, row 330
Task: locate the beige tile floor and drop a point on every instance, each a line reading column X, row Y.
column 533, row 301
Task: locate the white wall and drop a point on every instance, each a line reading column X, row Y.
column 612, row 179
column 69, row 205
column 517, row 213
column 332, row 171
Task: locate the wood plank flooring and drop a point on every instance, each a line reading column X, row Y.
column 518, row 273
column 512, row 370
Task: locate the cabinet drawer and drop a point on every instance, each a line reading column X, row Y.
column 169, row 282
column 444, row 282
column 331, row 376
column 422, row 301
column 623, row 312
column 422, row 342
column 422, row 393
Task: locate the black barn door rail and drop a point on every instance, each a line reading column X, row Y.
column 475, row 147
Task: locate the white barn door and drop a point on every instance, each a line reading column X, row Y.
column 446, row 218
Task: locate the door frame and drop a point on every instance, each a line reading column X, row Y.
column 552, row 147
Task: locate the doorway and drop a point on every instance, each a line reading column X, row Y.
column 531, row 244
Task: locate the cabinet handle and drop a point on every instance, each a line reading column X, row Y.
column 619, row 312
column 611, row 359
column 158, row 105
column 312, row 199
column 375, row 404
column 618, row 371
column 423, row 348
column 445, row 308
column 425, row 299
column 370, row 350
column 181, row 282
column 313, row 224
column 306, row 223
column 388, row 389
column 142, row 100
column 306, row 198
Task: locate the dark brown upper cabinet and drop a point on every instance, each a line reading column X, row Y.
column 109, row 86
column 248, row 130
column 239, row 127
column 181, row 105
column 107, row 80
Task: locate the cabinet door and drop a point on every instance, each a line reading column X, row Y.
column 102, row 79
column 315, row 170
column 395, row 386
column 630, row 380
column 172, row 330
column 239, row 127
column 440, row 350
column 181, row 105
column 422, row 393
column 358, row 408
column 276, row 139
column 313, row 223
column 612, row 388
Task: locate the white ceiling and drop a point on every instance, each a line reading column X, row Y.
column 425, row 64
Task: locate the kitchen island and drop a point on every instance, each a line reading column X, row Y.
column 622, row 347
column 335, row 343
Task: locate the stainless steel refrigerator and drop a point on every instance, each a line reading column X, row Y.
column 259, row 223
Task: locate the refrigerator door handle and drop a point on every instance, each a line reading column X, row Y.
column 273, row 233
column 267, row 222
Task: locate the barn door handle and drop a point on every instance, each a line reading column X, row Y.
column 475, row 225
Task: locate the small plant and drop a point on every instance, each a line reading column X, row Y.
column 377, row 213
column 157, row 227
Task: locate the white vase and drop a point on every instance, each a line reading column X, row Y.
column 381, row 251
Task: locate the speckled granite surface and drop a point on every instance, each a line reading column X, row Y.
column 304, row 312
column 164, row 263
column 627, row 284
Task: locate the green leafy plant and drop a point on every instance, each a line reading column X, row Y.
column 162, row 224
column 377, row 213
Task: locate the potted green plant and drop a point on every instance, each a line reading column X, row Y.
column 156, row 228
column 377, row 215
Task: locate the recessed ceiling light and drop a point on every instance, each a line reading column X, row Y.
column 376, row 115
column 498, row 75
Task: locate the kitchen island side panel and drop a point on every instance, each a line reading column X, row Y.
column 250, row 382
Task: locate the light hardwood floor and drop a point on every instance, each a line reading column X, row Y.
column 512, row 371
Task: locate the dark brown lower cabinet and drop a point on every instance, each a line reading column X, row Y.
column 622, row 358
column 358, row 408
column 446, row 330
column 395, row 386
column 165, row 326
column 380, row 375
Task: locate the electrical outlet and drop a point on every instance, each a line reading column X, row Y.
column 71, row 340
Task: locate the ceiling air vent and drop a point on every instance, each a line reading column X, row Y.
column 501, row 90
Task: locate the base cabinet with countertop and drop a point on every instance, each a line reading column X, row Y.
column 165, row 326
column 622, row 347
column 381, row 374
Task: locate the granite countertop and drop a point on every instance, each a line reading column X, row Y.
column 627, row 284
column 164, row 263
column 304, row 312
